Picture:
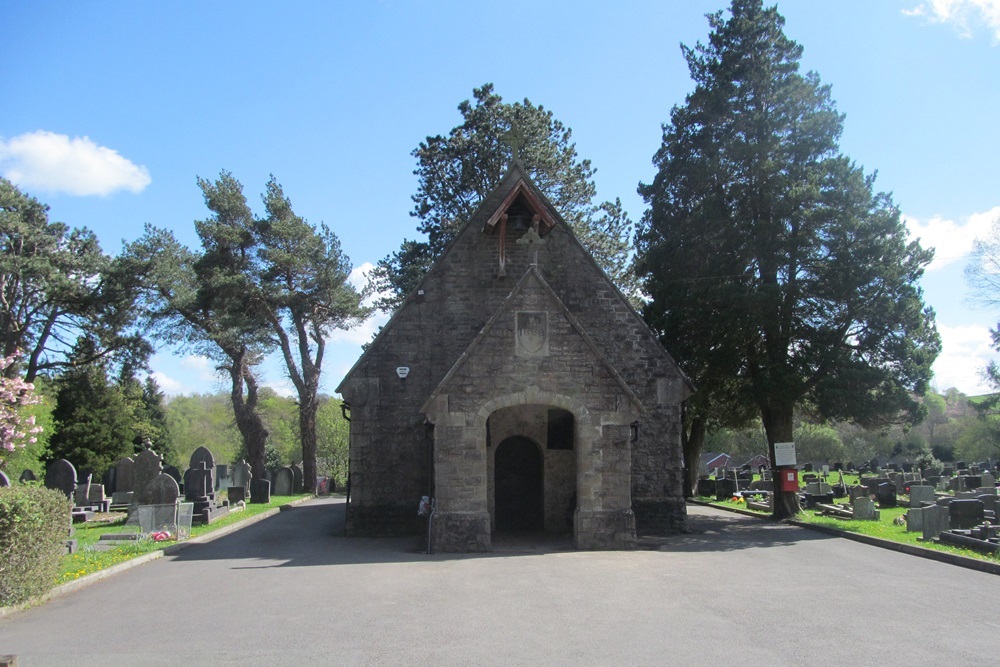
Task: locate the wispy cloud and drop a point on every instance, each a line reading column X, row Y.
column 965, row 351
column 951, row 240
column 57, row 163
column 962, row 15
column 364, row 332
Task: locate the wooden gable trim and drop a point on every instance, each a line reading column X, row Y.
column 536, row 204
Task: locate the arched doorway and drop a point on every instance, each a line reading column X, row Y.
column 518, row 486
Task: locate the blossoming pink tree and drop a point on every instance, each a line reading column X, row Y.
column 15, row 393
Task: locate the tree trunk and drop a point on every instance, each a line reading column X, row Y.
column 248, row 421
column 307, row 431
column 779, row 427
column 693, row 440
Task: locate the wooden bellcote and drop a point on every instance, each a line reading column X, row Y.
column 521, row 209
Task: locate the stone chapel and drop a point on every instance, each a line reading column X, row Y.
column 518, row 388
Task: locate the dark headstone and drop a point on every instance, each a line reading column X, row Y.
column 222, row 479
column 807, row 467
column 260, row 491
column 27, row 475
column 236, row 494
column 203, row 455
column 125, row 475
column 162, row 490
column 148, row 464
column 886, row 495
column 61, row 475
column 284, row 482
column 174, row 472
column 725, row 489
column 966, row 513
column 197, row 483
column 297, row 486
column 110, row 480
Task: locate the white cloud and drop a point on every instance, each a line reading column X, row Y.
column 962, row 15
column 284, row 388
column 202, row 366
column 951, row 240
column 56, row 163
column 364, row 332
column 965, row 350
column 168, row 385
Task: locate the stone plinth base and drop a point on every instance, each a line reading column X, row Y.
column 604, row 529
column 660, row 516
column 462, row 532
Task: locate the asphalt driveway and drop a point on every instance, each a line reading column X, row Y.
column 290, row 590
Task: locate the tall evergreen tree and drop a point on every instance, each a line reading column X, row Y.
column 768, row 256
column 94, row 424
column 456, row 172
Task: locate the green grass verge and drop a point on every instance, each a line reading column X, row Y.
column 88, row 560
column 883, row 529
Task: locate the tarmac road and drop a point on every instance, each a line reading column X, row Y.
column 290, row 590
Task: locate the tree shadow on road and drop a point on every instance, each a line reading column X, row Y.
column 711, row 529
column 312, row 534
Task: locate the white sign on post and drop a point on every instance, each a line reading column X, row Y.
column 784, row 454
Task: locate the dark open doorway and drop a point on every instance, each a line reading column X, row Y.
column 519, row 495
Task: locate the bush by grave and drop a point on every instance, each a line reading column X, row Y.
column 33, row 529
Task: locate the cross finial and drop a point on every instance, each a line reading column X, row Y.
column 514, row 137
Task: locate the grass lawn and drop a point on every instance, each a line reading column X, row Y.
column 87, row 559
column 882, row 529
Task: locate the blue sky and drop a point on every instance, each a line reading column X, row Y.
column 109, row 111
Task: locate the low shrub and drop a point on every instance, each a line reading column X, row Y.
column 34, row 523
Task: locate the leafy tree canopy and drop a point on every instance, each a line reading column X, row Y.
column 768, row 257
column 56, row 284
column 456, row 172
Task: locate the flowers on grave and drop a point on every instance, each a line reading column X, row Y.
column 15, row 393
column 738, row 499
column 160, row 535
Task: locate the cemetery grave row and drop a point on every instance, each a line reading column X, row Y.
column 157, row 498
column 954, row 505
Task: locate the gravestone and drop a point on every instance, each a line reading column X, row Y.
column 203, row 455
column 197, row 483
column 174, row 472
column 297, row 485
column 236, row 494
column 987, row 479
column 242, row 475
column 284, row 482
column 4, row 479
column 920, row 495
column 162, row 490
column 706, row 487
column 915, row 519
column 724, row 489
column 966, row 513
column 61, row 475
column 886, row 495
column 856, row 492
column 125, row 475
column 148, row 464
column 260, row 491
column 936, row 519
column 27, row 475
column 110, row 480
column 864, row 509
column 222, row 479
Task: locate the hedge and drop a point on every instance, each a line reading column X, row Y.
column 34, row 525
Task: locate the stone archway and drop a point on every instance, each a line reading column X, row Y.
column 519, row 486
